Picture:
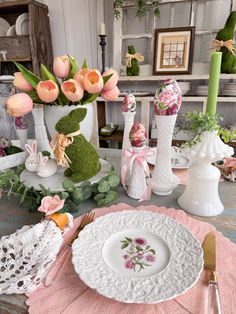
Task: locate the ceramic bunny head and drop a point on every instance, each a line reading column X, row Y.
column 31, row 163
column 47, row 167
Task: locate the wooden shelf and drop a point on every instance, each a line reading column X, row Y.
column 116, row 136
column 176, row 77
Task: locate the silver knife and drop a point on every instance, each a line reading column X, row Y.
column 209, row 249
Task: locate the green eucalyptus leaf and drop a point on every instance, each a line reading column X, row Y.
column 68, row 185
column 101, row 202
column 112, row 196
column 99, row 197
column 77, row 194
column 114, row 180
column 46, row 153
column 87, row 192
column 104, row 187
column 94, row 188
column 85, row 184
column 28, row 75
column 64, row 195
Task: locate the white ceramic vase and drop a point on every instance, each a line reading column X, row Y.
column 54, row 113
column 129, row 121
column 201, row 195
column 163, row 179
column 40, row 129
column 138, row 181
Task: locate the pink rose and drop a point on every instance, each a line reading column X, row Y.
column 140, row 241
column 150, row 258
column 51, row 204
column 129, row 264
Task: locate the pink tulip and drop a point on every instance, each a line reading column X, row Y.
column 19, row 104
column 93, row 81
column 113, row 80
column 73, row 90
column 47, row 91
column 111, row 95
column 51, row 204
column 21, row 83
column 61, row 66
column 79, row 76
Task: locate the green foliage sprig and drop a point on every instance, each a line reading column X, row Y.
column 143, row 6
column 103, row 192
column 198, row 122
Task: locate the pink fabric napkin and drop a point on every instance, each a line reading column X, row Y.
column 69, row 295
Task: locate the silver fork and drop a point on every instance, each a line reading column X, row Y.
column 87, row 219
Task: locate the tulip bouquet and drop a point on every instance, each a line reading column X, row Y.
column 68, row 85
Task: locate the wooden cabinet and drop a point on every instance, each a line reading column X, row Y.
column 33, row 49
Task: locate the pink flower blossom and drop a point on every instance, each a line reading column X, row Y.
column 19, row 104
column 129, row 264
column 125, row 256
column 150, row 258
column 51, row 204
column 139, row 256
column 140, row 241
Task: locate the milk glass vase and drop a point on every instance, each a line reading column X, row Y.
column 201, row 196
column 163, row 179
column 40, row 129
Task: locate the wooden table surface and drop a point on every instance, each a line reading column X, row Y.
column 13, row 216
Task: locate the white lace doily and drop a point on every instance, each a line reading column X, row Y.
column 27, row 255
column 106, row 251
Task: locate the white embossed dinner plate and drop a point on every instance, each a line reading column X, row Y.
column 22, row 24
column 4, row 26
column 137, row 256
column 179, row 158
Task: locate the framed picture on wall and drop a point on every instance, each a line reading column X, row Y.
column 173, row 50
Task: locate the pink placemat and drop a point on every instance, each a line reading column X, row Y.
column 69, row 295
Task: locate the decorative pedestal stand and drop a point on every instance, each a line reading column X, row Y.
column 129, row 121
column 40, row 129
column 163, row 179
column 201, row 194
column 138, row 180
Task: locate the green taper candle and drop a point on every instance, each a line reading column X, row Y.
column 213, row 84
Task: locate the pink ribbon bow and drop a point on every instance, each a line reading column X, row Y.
column 140, row 157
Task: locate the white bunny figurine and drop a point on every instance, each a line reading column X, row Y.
column 32, row 162
column 47, row 167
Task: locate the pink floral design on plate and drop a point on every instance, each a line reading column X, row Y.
column 138, row 254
